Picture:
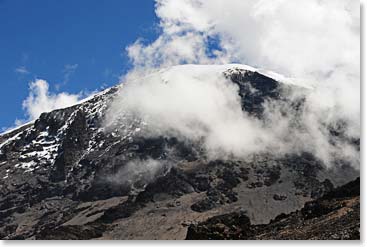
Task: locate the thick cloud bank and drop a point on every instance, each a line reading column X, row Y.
column 296, row 38
column 198, row 104
column 194, row 103
column 315, row 41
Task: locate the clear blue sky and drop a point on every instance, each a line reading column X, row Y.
column 40, row 38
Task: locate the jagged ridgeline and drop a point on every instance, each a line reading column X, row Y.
column 70, row 175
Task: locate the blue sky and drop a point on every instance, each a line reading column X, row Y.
column 74, row 45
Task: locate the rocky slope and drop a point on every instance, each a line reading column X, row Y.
column 66, row 176
column 334, row 216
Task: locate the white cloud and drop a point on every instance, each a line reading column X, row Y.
column 292, row 37
column 22, row 70
column 169, row 50
column 317, row 41
column 41, row 100
column 197, row 103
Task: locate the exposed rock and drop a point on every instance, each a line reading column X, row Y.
column 333, row 216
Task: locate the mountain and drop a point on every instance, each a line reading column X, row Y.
column 68, row 176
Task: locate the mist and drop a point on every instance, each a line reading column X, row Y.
column 137, row 174
column 313, row 42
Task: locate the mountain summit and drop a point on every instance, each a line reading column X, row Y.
column 104, row 169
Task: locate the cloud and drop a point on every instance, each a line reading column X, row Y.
column 317, row 41
column 17, row 123
column 196, row 103
column 40, row 100
column 137, row 174
column 285, row 36
column 69, row 70
column 169, row 50
column 22, row 70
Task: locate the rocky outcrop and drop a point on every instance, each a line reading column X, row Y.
column 334, row 216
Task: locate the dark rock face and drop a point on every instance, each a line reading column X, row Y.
column 65, row 177
column 255, row 89
column 333, row 216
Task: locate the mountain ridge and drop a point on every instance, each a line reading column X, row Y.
column 67, row 175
